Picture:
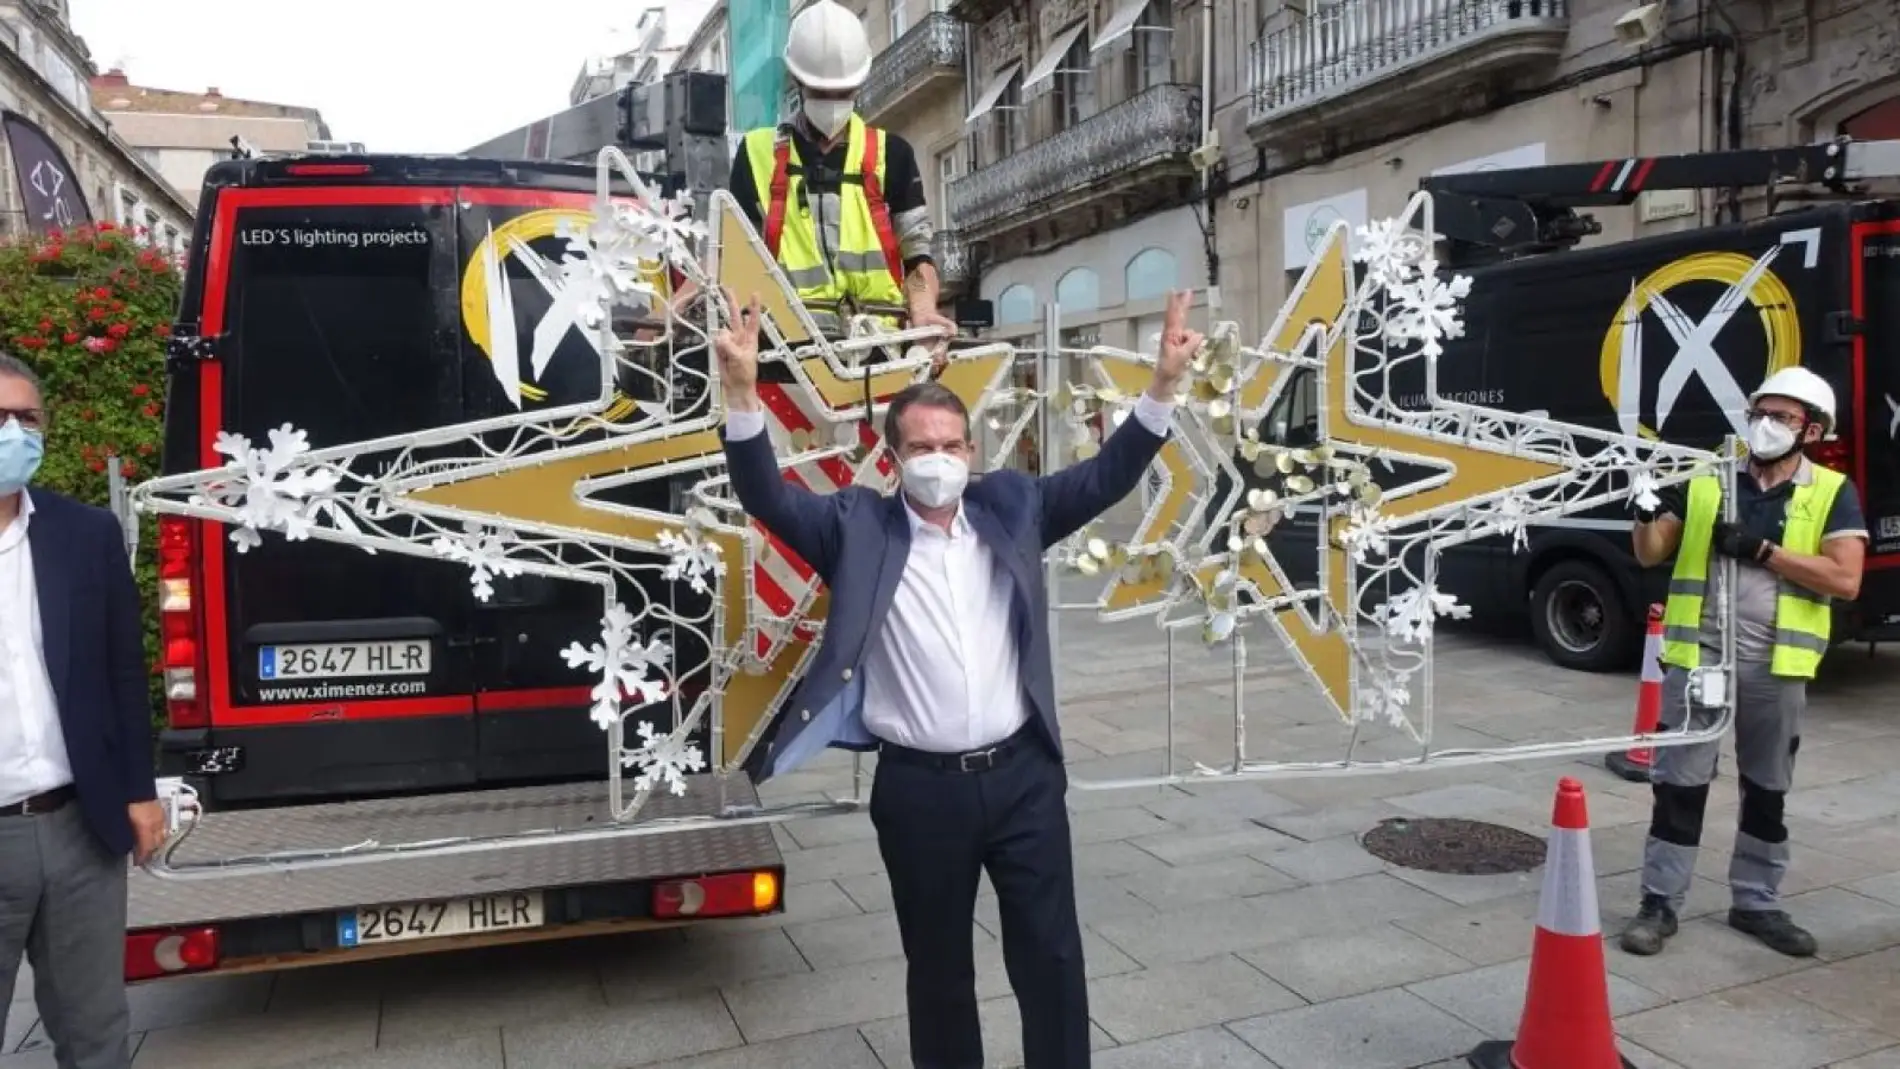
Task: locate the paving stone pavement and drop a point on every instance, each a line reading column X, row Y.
column 1231, row 925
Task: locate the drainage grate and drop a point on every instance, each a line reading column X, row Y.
column 1460, row 847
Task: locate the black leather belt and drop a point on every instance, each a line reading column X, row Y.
column 982, row 760
column 49, row 802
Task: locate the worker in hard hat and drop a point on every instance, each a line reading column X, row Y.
column 1800, row 540
column 839, row 203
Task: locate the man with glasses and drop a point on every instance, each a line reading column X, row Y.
column 1799, row 540
column 76, row 779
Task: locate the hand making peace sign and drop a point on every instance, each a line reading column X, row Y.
column 1179, row 344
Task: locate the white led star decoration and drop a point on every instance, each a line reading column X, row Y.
column 524, row 494
column 1203, row 557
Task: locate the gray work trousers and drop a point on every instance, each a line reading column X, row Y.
column 1767, row 734
column 62, row 904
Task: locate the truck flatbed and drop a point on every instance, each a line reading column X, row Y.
column 173, row 903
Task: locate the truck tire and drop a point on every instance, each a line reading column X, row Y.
column 1579, row 618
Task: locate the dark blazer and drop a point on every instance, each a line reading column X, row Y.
column 95, row 653
column 858, row 542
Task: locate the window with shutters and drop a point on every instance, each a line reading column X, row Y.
column 1075, row 85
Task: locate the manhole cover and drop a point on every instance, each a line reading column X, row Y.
column 1461, row 847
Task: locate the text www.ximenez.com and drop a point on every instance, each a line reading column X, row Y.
column 327, row 691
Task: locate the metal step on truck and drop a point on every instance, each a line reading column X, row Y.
column 321, row 700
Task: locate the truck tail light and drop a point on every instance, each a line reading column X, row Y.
column 732, row 894
column 170, row 952
column 178, row 620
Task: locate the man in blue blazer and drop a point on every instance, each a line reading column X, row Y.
column 936, row 655
column 76, row 781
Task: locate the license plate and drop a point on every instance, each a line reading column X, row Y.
column 345, row 660
column 435, row 920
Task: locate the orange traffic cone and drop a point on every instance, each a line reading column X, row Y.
column 1633, row 764
column 1566, row 1022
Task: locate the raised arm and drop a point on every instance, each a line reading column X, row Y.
column 808, row 523
column 1073, row 497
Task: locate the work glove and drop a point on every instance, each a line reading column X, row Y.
column 1731, row 540
column 1669, row 500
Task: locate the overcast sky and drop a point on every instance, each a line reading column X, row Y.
column 397, row 75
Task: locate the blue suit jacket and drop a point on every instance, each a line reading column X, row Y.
column 858, row 542
column 95, row 653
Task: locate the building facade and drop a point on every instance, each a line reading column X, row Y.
column 1055, row 138
column 181, row 134
column 45, row 76
column 1336, row 110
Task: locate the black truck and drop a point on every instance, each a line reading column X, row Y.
column 1576, row 333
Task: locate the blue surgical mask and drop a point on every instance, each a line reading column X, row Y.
column 20, row 453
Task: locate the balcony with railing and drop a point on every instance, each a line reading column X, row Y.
column 1363, row 59
column 1145, row 137
column 929, row 54
column 955, row 264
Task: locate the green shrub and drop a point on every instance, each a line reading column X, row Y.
column 89, row 310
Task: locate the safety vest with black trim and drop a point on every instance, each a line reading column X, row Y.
column 867, row 267
column 1803, row 619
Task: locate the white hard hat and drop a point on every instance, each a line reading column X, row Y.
column 1800, row 384
column 826, row 48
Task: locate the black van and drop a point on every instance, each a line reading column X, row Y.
column 1570, row 335
column 347, row 297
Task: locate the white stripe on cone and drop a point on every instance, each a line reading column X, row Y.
column 1569, row 902
column 1652, row 654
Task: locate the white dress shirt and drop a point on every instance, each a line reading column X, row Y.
column 943, row 675
column 32, row 745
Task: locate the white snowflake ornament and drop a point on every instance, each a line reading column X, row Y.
column 690, row 557
column 484, row 550
column 663, row 759
column 623, row 662
column 1428, row 309
column 1409, row 616
column 272, row 490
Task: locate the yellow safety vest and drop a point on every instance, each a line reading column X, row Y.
column 1803, row 619
column 867, row 267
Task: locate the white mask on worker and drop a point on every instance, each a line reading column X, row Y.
column 1769, row 439
column 935, row 479
column 828, row 116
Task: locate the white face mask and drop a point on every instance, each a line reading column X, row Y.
column 1769, row 440
column 828, row 116
column 935, row 479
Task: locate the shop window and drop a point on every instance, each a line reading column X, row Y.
column 1017, row 304
column 1079, row 291
column 1150, row 274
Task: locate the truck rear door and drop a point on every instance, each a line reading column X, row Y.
column 524, row 349
column 337, row 670
column 1877, row 428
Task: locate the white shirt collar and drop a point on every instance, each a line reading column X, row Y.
column 959, row 523
column 17, row 529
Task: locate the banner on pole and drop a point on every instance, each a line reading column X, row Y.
column 758, row 65
column 48, row 184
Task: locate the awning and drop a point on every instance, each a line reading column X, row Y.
column 1052, row 58
column 1125, row 18
column 993, row 92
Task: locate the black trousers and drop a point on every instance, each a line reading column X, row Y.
column 939, row 826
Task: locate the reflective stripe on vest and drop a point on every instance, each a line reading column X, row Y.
column 1803, row 619
column 866, row 267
